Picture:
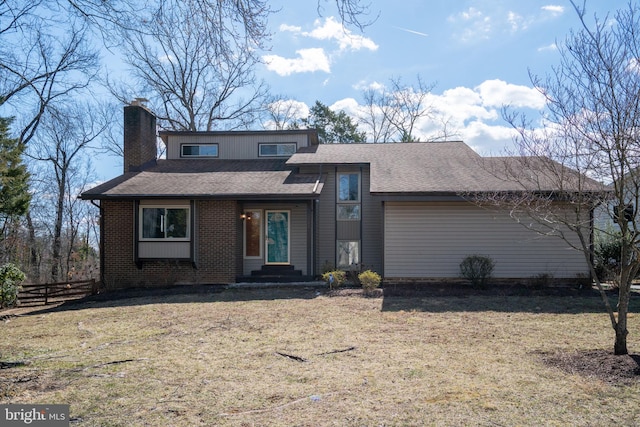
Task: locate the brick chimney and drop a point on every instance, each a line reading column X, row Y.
column 139, row 137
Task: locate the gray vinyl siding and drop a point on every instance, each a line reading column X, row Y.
column 372, row 227
column 327, row 222
column 232, row 146
column 430, row 240
column 298, row 254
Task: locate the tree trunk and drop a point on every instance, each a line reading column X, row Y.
column 620, row 346
column 56, row 250
column 34, row 265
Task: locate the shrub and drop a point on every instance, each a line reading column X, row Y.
column 607, row 256
column 327, row 267
column 541, row 281
column 369, row 280
column 477, row 269
column 10, row 279
column 338, row 276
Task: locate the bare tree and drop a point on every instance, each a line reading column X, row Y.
column 195, row 61
column 393, row 114
column 40, row 64
column 352, row 13
column 60, row 150
column 591, row 129
column 282, row 112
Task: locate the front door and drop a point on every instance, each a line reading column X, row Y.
column 277, row 238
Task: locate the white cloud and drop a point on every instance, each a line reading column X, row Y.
column 516, row 22
column 634, row 65
column 553, row 9
column 496, row 93
column 364, row 85
column 462, row 104
column 349, row 105
column 316, row 58
column 550, row 47
column 308, row 60
column 334, row 31
column 290, row 107
column 477, row 26
column 290, row 28
column 471, row 114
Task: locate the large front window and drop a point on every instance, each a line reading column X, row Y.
column 164, row 223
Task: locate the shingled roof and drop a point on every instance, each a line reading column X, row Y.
column 439, row 167
column 203, row 178
column 407, row 168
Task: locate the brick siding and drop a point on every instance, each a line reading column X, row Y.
column 217, row 235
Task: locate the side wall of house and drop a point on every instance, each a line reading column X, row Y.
column 429, row 240
column 216, row 238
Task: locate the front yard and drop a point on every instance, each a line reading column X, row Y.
column 303, row 357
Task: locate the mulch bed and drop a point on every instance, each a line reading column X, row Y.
column 599, row 364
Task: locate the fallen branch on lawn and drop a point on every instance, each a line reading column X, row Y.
column 115, row 362
column 344, row 350
column 291, row 356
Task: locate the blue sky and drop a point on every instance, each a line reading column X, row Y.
column 477, row 53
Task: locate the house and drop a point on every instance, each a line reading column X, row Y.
column 249, row 205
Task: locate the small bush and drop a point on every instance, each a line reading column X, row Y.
column 10, row 278
column 369, row 280
column 607, row 256
column 327, row 267
column 477, row 269
column 541, row 281
column 338, row 276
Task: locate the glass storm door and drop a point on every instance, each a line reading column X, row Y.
column 277, row 237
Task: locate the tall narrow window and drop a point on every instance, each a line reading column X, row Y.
column 348, row 203
column 252, row 233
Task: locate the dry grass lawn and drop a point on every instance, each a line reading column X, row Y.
column 300, row 357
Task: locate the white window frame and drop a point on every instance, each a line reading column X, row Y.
column 189, row 156
column 278, row 145
column 247, row 217
column 163, row 239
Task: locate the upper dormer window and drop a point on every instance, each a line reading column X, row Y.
column 199, row 150
column 277, row 150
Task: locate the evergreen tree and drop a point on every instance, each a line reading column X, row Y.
column 14, row 185
column 332, row 127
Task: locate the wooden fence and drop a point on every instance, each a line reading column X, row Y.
column 49, row 293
